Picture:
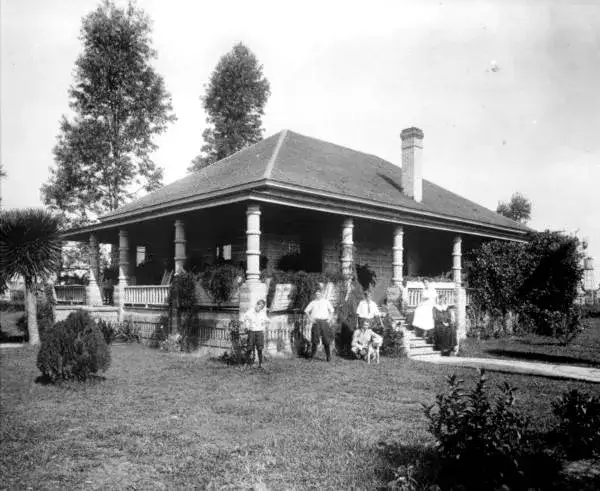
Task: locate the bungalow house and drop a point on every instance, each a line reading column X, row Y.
column 293, row 193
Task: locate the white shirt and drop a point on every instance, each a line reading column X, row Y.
column 319, row 309
column 361, row 339
column 255, row 321
column 367, row 309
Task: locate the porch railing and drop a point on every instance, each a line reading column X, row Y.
column 70, row 294
column 445, row 294
column 147, row 295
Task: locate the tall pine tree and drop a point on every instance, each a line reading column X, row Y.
column 234, row 101
column 119, row 101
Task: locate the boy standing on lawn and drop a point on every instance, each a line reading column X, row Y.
column 255, row 320
column 320, row 312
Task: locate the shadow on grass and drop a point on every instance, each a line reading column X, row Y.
column 46, row 380
column 543, row 357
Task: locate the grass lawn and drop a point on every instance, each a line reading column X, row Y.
column 165, row 421
column 584, row 350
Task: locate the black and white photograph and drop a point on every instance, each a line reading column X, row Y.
column 321, row 245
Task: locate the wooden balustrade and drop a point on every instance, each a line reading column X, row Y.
column 147, row 295
column 70, row 294
column 445, row 294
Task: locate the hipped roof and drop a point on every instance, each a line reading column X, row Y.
column 305, row 165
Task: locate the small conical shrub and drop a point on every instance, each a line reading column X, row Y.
column 73, row 349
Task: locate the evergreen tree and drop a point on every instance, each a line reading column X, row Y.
column 120, row 103
column 517, row 209
column 234, row 101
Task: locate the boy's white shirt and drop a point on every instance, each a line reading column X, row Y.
column 367, row 309
column 255, row 321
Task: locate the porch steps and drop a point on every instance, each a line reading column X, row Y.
column 418, row 347
column 415, row 347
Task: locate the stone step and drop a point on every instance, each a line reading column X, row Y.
column 426, row 348
column 428, row 354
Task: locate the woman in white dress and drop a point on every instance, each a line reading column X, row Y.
column 423, row 318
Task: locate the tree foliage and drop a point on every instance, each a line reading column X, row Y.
column 538, row 280
column 29, row 247
column 120, row 103
column 234, row 101
column 517, row 209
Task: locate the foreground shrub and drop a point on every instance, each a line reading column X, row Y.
column 73, row 349
column 480, row 442
column 578, row 429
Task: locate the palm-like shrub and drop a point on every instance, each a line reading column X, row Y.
column 29, row 247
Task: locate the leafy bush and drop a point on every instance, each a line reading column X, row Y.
column 182, row 310
column 171, row 344
column 591, row 311
column 347, row 317
column 108, row 331
column 480, row 442
column 239, row 345
column 127, row 332
column 535, row 280
column 306, row 284
column 44, row 315
column 221, row 281
column 393, row 339
column 10, row 306
column 73, row 349
column 366, row 276
column 578, row 429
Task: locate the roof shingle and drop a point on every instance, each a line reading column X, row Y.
column 308, row 163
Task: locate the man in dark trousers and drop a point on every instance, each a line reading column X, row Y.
column 320, row 313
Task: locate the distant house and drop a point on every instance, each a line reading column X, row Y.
column 293, row 193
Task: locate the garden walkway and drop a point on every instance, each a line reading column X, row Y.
column 572, row 372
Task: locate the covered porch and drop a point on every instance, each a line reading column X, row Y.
column 256, row 235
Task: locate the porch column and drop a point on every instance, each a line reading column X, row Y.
column 456, row 261
column 398, row 249
column 119, row 292
column 347, row 245
column 93, row 290
column 460, row 293
column 253, row 243
column 180, row 256
column 395, row 293
column 252, row 289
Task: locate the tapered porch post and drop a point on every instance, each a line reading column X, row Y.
column 180, row 256
column 456, row 261
column 395, row 292
column 123, row 271
column 459, row 292
column 93, row 290
column 398, row 250
column 253, row 289
column 347, row 246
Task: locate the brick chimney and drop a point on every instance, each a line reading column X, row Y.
column 412, row 163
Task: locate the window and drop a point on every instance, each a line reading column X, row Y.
column 140, row 255
column 223, row 252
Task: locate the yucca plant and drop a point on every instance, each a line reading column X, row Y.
column 30, row 247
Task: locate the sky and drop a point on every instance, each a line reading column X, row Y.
column 505, row 91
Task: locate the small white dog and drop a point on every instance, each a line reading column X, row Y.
column 373, row 348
